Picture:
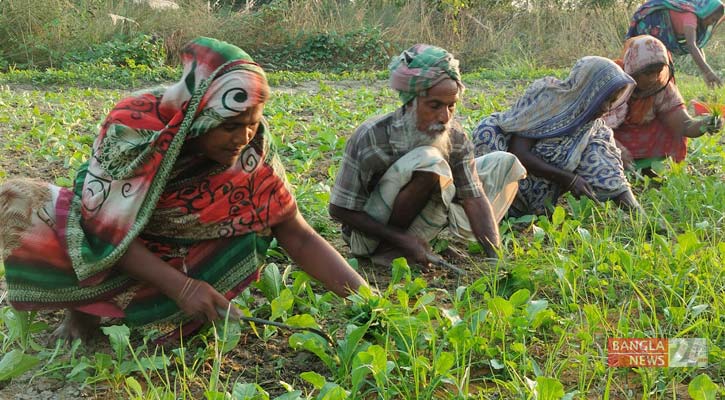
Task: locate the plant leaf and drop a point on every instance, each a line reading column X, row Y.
column 16, row 363
column 118, row 336
column 702, row 388
column 317, row 380
column 549, row 388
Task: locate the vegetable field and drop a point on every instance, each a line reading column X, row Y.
column 535, row 325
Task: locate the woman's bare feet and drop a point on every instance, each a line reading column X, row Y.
column 75, row 325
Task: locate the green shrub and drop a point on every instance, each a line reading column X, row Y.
column 364, row 48
column 122, row 51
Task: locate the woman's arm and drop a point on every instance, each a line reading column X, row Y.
column 711, row 79
column 317, row 257
column 195, row 297
column 680, row 122
column 627, row 159
column 521, row 148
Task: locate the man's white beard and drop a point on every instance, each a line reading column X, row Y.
column 438, row 135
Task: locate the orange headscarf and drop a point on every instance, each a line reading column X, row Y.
column 639, row 53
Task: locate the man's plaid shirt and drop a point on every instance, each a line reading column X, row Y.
column 377, row 144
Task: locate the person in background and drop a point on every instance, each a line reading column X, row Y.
column 556, row 131
column 171, row 216
column 408, row 174
column 654, row 123
column 684, row 26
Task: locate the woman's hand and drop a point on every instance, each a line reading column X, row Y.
column 195, row 298
column 627, row 159
column 317, row 257
column 712, row 80
column 201, row 301
column 711, row 124
column 579, row 187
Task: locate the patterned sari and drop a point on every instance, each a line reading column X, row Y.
column 562, row 117
column 211, row 222
column 653, row 18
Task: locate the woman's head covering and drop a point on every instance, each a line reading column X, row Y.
column 140, row 141
column 701, row 8
column 240, row 84
column 551, row 107
column 639, row 53
column 420, row 68
column 642, row 51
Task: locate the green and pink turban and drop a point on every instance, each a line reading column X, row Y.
column 420, row 68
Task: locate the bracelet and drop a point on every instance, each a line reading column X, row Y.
column 187, row 285
column 573, row 181
column 193, row 289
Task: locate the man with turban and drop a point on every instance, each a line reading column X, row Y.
column 408, row 174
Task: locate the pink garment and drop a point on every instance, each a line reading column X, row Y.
column 682, row 19
column 652, row 139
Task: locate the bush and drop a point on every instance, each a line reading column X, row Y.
column 139, row 50
column 361, row 49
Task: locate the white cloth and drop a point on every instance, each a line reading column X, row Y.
column 498, row 171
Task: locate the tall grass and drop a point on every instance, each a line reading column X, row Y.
column 39, row 33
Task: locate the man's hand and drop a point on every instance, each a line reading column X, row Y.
column 483, row 224
column 415, row 249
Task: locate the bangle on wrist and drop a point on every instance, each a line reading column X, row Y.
column 185, row 289
column 573, row 181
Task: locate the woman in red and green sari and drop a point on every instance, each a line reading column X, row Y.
column 171, row 216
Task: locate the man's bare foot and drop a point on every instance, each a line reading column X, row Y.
column 385, row 255
column 75, row 325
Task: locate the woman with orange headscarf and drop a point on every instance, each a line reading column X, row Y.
column 654, row 123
